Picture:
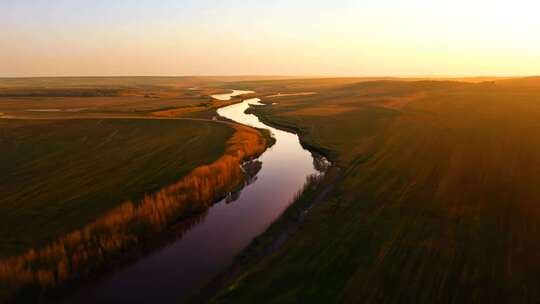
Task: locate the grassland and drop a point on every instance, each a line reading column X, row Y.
column 87, row 250
column 437, row 201
column 95, row 166
column 60, row 174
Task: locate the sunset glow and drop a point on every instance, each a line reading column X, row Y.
column 213, row 37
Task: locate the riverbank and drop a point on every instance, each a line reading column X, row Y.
column 84, row 252
column 306, row 141
column 317, row 189
column 436, row 199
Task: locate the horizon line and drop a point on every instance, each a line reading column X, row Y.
column 273, row 76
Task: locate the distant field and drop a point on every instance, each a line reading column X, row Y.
column 57, row 175
column 129, row 97
column 112, row 97
column 438, row 202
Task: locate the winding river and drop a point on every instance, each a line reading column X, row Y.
column 172, row 272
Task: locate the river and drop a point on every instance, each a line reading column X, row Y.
column 171, row 273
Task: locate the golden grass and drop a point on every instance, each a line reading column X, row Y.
column 322, row 110
column 151, row 93
column 78, row 252
column 178, row 111
column 291, row 94
column 438, row 201
column 398, row 103
column 182, row 111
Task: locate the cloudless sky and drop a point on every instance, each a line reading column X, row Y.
column 270, row 37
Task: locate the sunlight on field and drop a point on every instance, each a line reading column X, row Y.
column 439, row 178
column 307, row 151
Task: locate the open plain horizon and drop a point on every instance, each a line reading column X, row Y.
column 207, row 151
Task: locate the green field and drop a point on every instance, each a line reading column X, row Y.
column 57, row 175
column 437, row 202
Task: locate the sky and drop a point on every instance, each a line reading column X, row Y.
column 269, row 37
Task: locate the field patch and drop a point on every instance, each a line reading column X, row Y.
column 324, row 110
column 63, row 174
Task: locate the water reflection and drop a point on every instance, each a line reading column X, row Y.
column 173, row 272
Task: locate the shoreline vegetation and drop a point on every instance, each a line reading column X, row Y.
column 78, row 253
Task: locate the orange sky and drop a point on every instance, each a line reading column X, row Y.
column 317, row 37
